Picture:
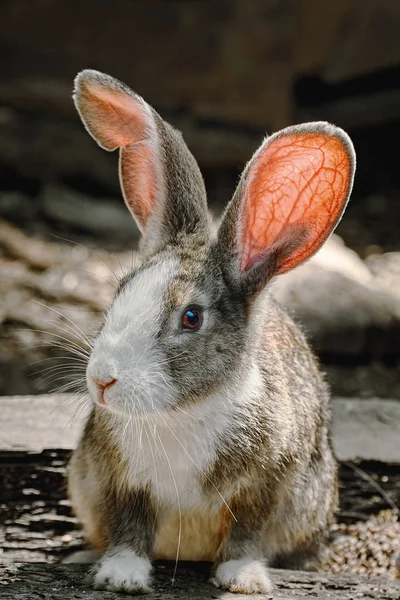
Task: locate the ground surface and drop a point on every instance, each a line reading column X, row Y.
column 55, row 582
column 36, row 522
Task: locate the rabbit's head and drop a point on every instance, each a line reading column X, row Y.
column 185, row 320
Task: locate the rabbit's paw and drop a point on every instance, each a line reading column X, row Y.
column 123, row 571
column 244, row 576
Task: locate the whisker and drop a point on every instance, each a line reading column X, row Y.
column 66, row 386
column 63, row 367
column 68, row 332
column 78, row 414
column 100, row 277
column 58, row 358
column 84, row 336
column 120, row 266
column 156, row 476
column 185, row 412
column 84, row 403
column 196, row 465
column 82, row 246
column 68, row 341
column 62, row 346
column 179, row 507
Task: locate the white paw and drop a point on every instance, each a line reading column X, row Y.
column 123, row 571
column 243, row 576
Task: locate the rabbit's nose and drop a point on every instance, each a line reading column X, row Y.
column 102, row 385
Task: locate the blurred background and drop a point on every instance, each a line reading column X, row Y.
column 224, row 72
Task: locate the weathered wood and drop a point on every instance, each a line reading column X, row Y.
column 37, row 423
column 56, row 582
column 367, row 429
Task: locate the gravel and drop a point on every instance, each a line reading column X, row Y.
column 366, row 547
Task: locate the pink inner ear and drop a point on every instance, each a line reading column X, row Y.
column 119, row 119
column 115, row 117
column 298, row 179
column 138, row 180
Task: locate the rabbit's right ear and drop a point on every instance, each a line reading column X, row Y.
column 160, row 179
column 290, row 198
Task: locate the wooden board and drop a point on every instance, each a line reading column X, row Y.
column 362, row 429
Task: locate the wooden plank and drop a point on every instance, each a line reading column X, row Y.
column 36, row 423
column 361, row 429
column 366, row 429
column 56, row 582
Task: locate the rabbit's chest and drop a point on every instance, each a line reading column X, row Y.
column 173, row 463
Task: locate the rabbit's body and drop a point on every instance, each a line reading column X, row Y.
column 225, row 443
column 209, row 438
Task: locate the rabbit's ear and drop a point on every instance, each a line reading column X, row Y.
column 290, row 198
column 160, row 179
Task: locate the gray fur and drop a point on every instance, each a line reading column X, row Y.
column 275, row 463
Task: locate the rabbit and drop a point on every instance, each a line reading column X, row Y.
column 208, row 439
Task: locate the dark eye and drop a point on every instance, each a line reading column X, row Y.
column 192, row 319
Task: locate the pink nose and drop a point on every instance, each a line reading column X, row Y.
column 102, row 386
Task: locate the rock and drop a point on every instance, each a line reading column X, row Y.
column 368, row 379
column 342, row 304
column 386, row 271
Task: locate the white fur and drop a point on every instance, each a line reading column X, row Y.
column 171, row 450
column 165, row 449
column 126, row 349
column 245, row 576
column 123, row 571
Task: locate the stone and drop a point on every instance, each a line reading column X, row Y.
column 343, row 305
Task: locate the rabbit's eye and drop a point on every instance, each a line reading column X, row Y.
column 192, row 319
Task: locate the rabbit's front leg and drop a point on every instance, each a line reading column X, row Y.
column 242, row 567
column 125, row 566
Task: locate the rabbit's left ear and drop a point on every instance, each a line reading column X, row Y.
column 160, row 179
column 290, row 198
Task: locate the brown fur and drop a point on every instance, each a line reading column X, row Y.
column 274, row 467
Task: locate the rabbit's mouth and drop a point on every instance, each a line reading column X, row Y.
column 148, row 395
